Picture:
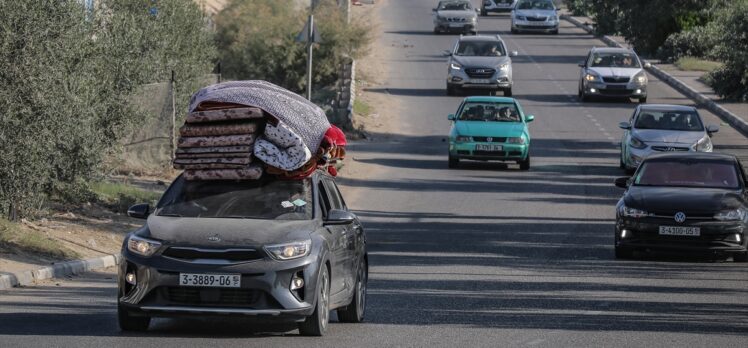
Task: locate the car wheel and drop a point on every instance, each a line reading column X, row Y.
column 623, row 253
column 453, row 162
column 620, row 162
column 740, row 257
column 354, row 312
column 554, row 32
column 508, row 92
column 316, row 324
column 643, row 100
column 514, row 31
column 128, row 322
column 483, row 12
column 436, row 31
column 525, row 165
column 450, row 90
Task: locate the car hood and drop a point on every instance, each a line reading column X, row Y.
column 457, row 14
column 489, row 129
column 477, row 61
column 668, row 136
column 613, row 71
column 231, row 232
column 670, row 200
column 535, row 13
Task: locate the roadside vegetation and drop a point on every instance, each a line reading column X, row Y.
column 15, row 238
column 696, row 64
column 120, row 196
column 712, row 30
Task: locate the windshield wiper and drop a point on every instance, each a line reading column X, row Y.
column 169, row 214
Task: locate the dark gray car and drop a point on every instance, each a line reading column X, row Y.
column 265, row 249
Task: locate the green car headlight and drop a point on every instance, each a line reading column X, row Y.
column 463, row 139
column 515, row 140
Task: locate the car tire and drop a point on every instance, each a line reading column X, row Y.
column 525, row 164
column 453, row 162
column 623, row 253
column 354, row 312
column 514, row 31
column 642, row 100
column 451, row 90
column 316, row 324
column 437, row 31
column 554, row 32
column 508, row 92
column 483, row 12
column 620, row 162
column 740, row 257
column 128, row 322
column 473, row 32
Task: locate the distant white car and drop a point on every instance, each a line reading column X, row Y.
column 535, row 16
column 613, row 72
column 455, row 16
column 496, row 6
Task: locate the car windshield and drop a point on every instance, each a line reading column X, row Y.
column 692, row 173
column 535, row 5
column 254, row 199
column 614, row 60
column 455, row 6
column 669, row 120
column 489, row 112
column 480, row 48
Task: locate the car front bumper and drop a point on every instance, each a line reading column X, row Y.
column 629, row 90
column 635, row 156
column 499, row 80
column 467, row 150
column 264, row 294
column 535, row 26
column 715, row 236
column 454, row 26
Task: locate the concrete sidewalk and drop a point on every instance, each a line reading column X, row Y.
column 62, row 269
column 687, row 82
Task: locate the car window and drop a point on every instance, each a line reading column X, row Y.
column 251, row 199
column 614, row 60
column 480, row 48
column 669, row 120
column 711, row 174
column 535, row 5
column 489, row 112
column 454, row 6
column 324, row 199
column 337, row 197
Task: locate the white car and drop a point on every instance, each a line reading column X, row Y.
column 613, row 72
column 535, row 16
column 496, row 6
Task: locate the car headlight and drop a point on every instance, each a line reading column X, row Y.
column 703, row 145
column 632, row 213
column 520, row 18
column 636, row 143
column 455, row 66
column 591, row 77
column 515, row 140
column 504, row 67
column 552, row 18
column 641, row 78
column 731, row 215
column 473, row 19
column 290, row 251
column 463, row 139
column 440, row 18
column 142, row 246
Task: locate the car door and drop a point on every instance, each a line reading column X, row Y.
column 337, row 245
column 626, row 135
column 348, row 235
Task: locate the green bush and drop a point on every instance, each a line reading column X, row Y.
column 697, row 42
column 731, row 80
column 578, row 7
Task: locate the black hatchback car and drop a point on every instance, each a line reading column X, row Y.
column 266, row 249
column 684, row 201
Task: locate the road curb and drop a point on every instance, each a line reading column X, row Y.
column 10, row 280
column 733, row 120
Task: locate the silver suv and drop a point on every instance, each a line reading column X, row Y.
column 613, row 72
column 480, row 62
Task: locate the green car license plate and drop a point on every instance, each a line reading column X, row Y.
column 680, row 231
column 490, row 148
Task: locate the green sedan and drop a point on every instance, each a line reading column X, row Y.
column 490, row 129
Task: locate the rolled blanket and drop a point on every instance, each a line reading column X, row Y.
column 280, row 147
column 214, row 149
column 253, row 172
column 220, row 160
column 209, row 166
column 222, row 140
column 212, row 155
column 196, row 130
column 224, row 115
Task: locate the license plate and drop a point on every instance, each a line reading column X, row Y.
column 680, row 231
column 456, row 25
column 480, row 81
column 496, row 148
column 210, row 280
column 616, row 87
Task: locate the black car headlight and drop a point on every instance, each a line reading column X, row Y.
column 142, row 246
column 731, row 215
column 289, row 251
column 632, row 213
column 636, row 143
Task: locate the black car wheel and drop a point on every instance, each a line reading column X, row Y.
column 354, row 312
column 453, row 162
column 508, row 92
column 128, row 322
column 621, row 164
column 316, row 324
column 624, row 253
column 451, row 89
column 643, row 100
column 740, row 257
column 525, row 165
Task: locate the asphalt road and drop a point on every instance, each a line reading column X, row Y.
column 484, row 255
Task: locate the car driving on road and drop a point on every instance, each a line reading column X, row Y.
column 613, row 72
column 265, row 249
column 534, row 16
column 455, row 16
column 490, row 129
column 479, row 62
column 657, row 128
column 496, row 6
column 684, row 201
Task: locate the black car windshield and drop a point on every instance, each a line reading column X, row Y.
column 691, row 173
column 480, row 48
column 535, row 5
column 614, row 60
column 669, row 120
column 489, row 112
column 454, row 6
column 253, row 199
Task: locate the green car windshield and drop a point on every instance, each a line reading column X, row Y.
column 489, row 112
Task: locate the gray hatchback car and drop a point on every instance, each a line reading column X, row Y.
column 266, row 249
column 613, row 72
column 479, row 62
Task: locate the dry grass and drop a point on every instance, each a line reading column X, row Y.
column 14, row 237
column 696, row 64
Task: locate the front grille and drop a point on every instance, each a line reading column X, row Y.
column 480, row 72
column 617, row 79
column 212, row 296
column 456, row 20
column 463, row 152
column 536, row 19
column 493, row 140
column 670, row 148
column 191, row 254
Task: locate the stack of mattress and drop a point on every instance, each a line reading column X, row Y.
column 243, row 129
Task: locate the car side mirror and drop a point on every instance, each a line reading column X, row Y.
column 339, row 217
column 446, row 53
column 433, row 9
column 513, row 53
column 529, row 118
column 451, row 117
column 712, row 128
column 581, row 64
column 624, row 125
column 139, row 211
column 477, row 10
column 647, row 65
column 623, row 182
